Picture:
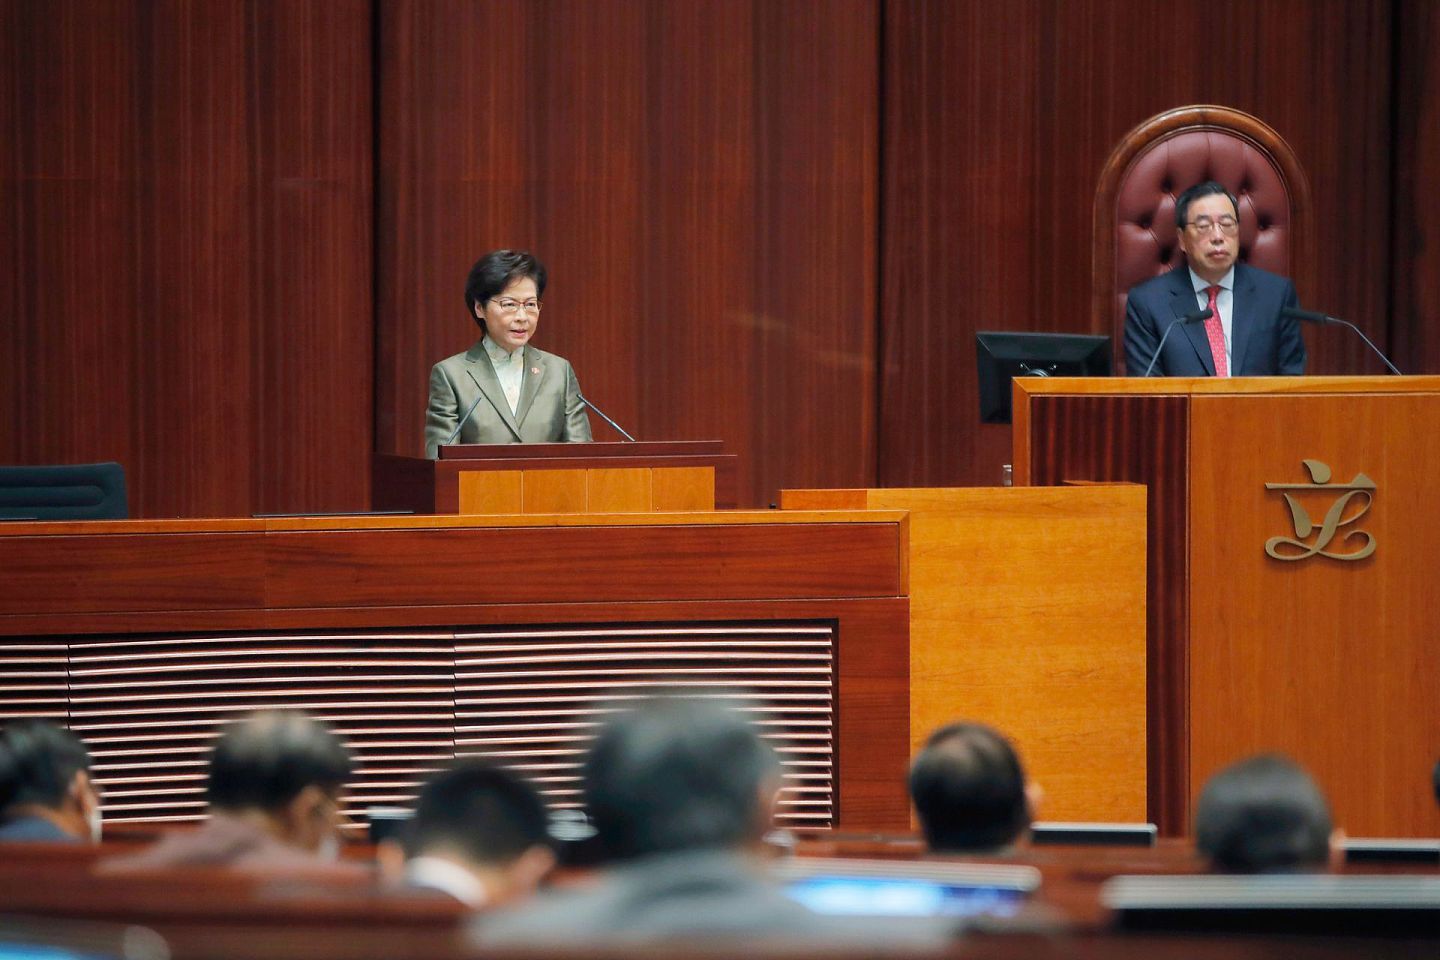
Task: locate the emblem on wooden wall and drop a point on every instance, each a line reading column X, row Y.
column 1353, row 501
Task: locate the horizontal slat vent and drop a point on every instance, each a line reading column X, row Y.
column 530, row 697
column 149, row 707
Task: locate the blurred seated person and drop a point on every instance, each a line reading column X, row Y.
column 969, row 791
column 274, row 794
column 478, row 834
column 1263, row 815
column 512, row 391
column 681, row 791
column 1248, row 335
column 46, row 793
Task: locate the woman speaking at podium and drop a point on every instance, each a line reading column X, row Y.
column 503, row 389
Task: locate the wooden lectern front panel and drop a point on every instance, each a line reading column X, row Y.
column 622, row 490
column 683, row 488
column 1330, row 656
column 553, row 491
column 490, row 491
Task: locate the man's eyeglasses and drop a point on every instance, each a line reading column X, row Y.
column 1202, row 225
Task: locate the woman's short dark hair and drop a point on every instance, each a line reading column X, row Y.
column 495, row 271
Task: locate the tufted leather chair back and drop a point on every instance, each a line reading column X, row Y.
column 1135, row 201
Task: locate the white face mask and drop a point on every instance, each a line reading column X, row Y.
column 94, row 820
column 329, row 850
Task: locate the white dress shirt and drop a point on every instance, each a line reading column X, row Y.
column 509, row 367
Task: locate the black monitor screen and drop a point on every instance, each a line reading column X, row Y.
column 1002, row 356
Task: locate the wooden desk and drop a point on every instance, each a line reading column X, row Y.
column 1331, row 660
column 423, row 637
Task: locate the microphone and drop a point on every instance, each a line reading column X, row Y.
column 612, row 423
column 1324, row 320
column 1195, row 317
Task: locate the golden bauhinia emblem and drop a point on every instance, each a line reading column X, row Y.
column 1311, row 540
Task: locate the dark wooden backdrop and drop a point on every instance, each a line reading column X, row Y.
column 233, row 234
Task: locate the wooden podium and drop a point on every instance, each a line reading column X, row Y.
column 506, row 478
column 1294, row 543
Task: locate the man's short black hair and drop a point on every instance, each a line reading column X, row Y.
column 495, row 271
column 1262, row 815
column 38, row 762
column 263, row 761
column 677, row 773
column 484, row 813
column 969, row 789
column 1208, row 188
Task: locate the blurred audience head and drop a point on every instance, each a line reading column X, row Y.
column 483, row 820
column 45, row 781
column 675, row 773
column 286, row 770
column 969, row 790
column 1263, row 815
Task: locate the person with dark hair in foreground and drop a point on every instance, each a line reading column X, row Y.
column 681, row 792
column 512, row 391
column 479, row 834
column 46, row 793
column 1248, row 334
column 969, row 790
column 274, row 793
column 1263, row 815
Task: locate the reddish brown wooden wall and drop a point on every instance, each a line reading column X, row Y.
column 774, row 223
column 185, row 261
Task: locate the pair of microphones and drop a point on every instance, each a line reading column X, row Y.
column 1290, row 313
column 459, row 426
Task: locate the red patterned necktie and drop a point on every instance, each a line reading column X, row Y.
column 1216, row 333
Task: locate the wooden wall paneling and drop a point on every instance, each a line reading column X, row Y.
column 1414, row 320
column 1331, row 662
column 995, row 130
column 189, row 257
column 699, row 178
column 1139, row 440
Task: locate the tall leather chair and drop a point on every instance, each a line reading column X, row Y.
column 1135, row 202
column 82, row 491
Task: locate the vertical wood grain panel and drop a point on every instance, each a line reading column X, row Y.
column 491, row 491
column 1415, row 269
column 552, row 491
column 186, row 253
column 682, row 488
column 700, row 179
column 1139, row 440
column 617, row 491
column 995, row 130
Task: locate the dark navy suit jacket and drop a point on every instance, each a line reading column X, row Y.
column 1262, row 342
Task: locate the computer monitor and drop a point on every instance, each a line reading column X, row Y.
column 1002, row 356
column 892, row 888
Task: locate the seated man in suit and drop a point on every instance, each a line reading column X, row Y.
column 1263, row 815
column 504, row 389
column 45, row 789
column 274, row 792
column 479, row 835
column 1246, row 337
column 969, row 791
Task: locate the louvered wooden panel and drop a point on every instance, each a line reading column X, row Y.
column 149, row 708
column 529, row 697
column 32, row 680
